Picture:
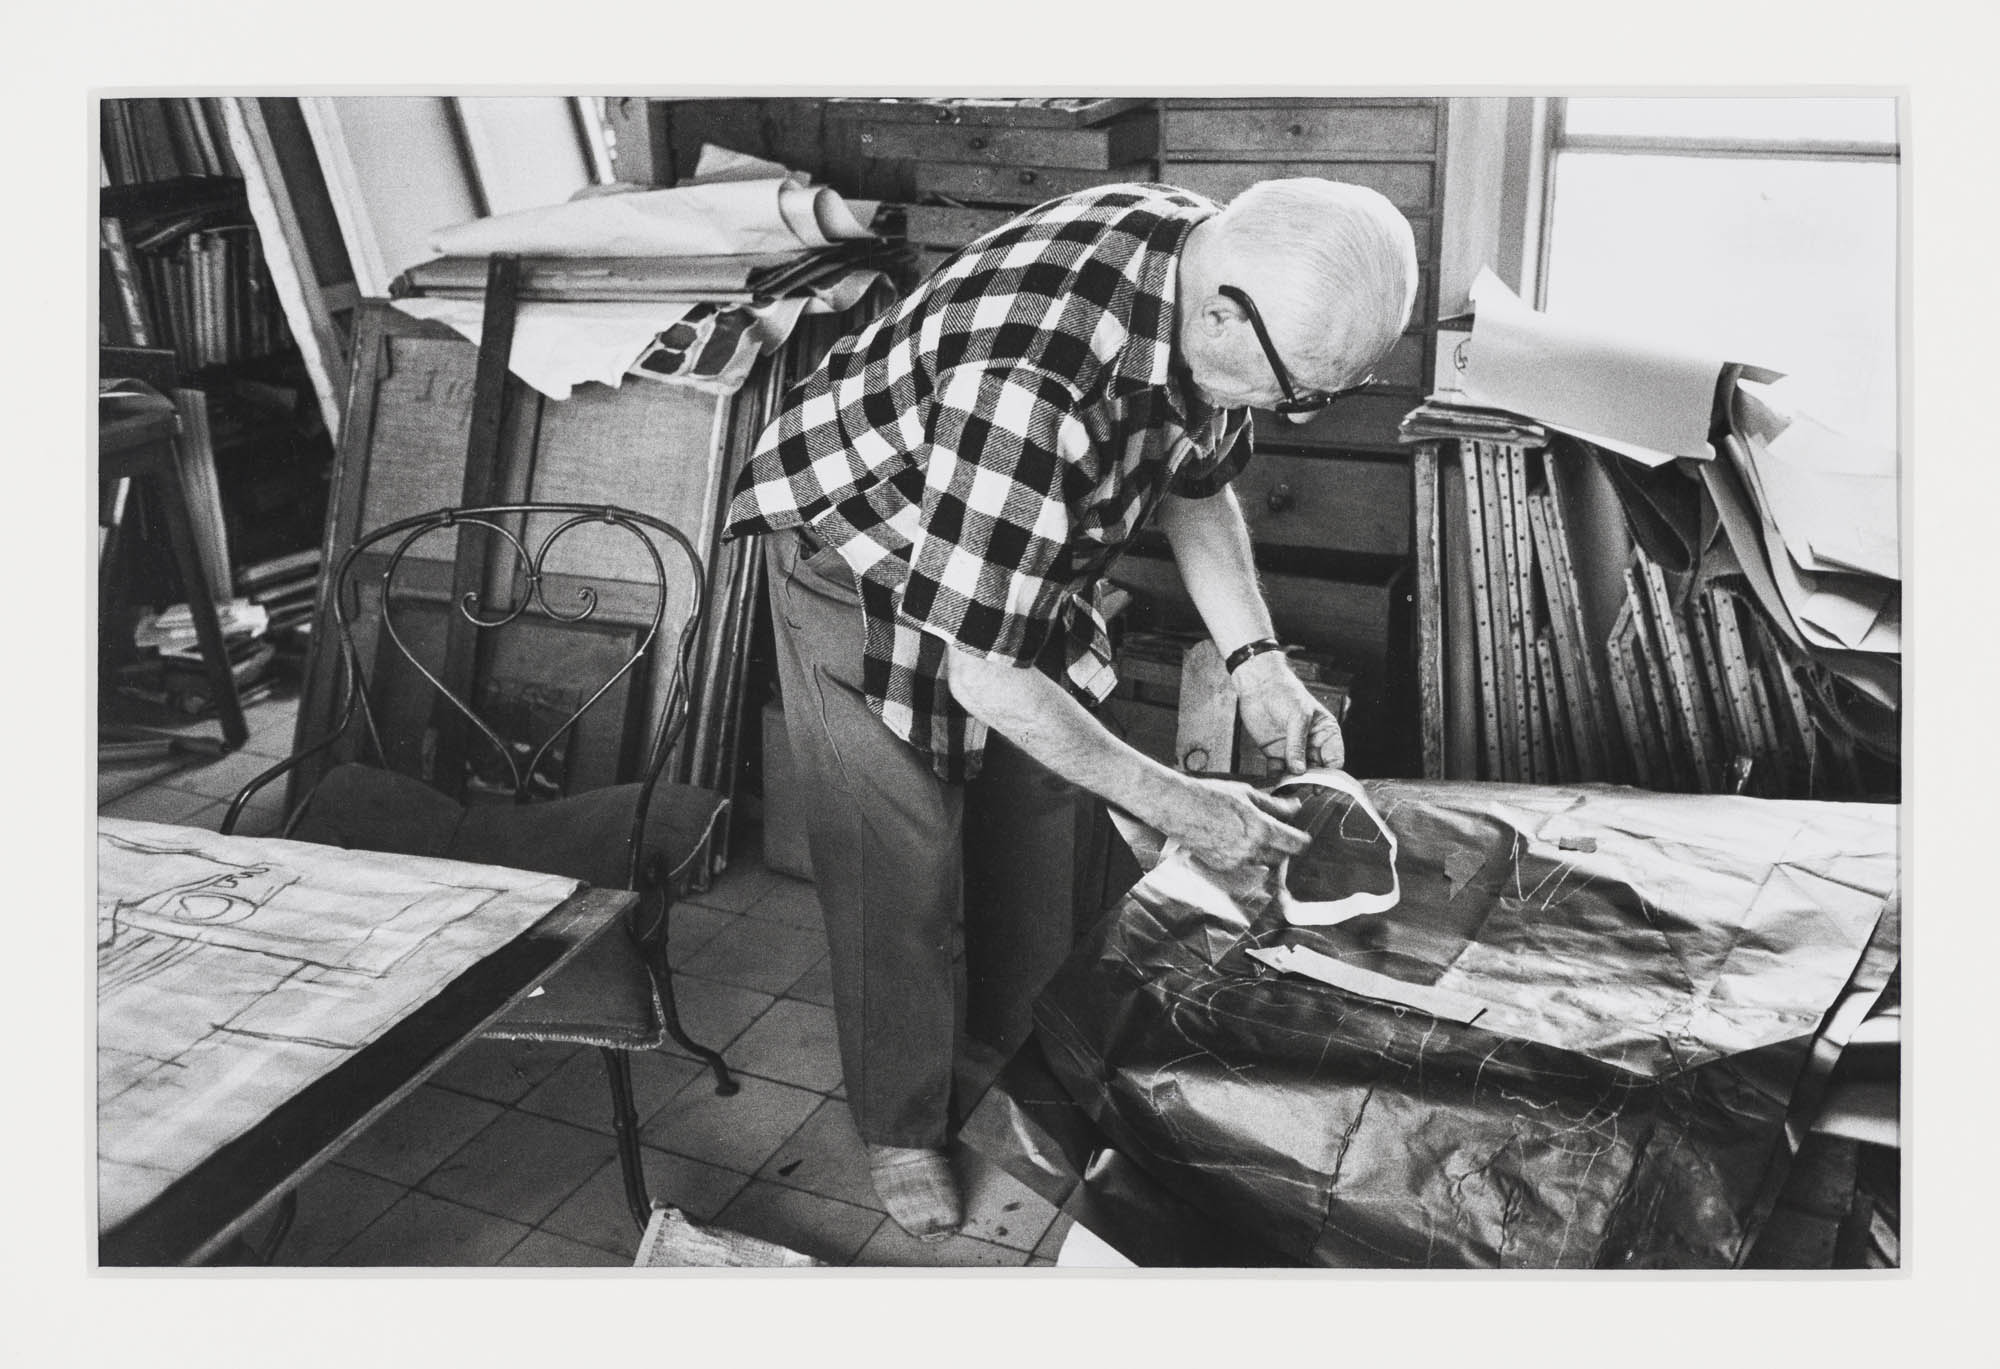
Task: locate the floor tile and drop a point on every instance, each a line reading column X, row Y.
column 891, row 1245
column 545, row 1250
column 793, row 1043
column 1052, row 1239
column 580, row 1091
column 418, row 1134
column 815, row 985
column 755, row 954
column 715, row 1014
column 597, row 1215
column 829, row 1231
column 503, row 1071
column 273, row 728
column 691, row 927
column 334, row 1205
column 1000, row 1208
column 118, row 778
column 825, row 1156
column 736, row 888
column 161, row 803
column 221, row 779
column 790, row 901
column 264, row 815
column 522, row 1167
column 423, row 1230
column 739, row 1132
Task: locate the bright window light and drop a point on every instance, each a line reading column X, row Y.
column 1783, row 262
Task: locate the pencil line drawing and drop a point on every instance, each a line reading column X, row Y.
column 233, row 972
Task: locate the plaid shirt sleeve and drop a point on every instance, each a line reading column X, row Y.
column 988, row 568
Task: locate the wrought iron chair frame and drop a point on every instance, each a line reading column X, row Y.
column 649, row 877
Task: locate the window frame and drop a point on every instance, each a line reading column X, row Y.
column 1558, row 139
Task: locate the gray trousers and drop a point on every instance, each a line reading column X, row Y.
column 886, row 839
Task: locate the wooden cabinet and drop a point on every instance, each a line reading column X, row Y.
column 1222, row 147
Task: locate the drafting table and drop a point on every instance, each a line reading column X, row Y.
column 187, row 944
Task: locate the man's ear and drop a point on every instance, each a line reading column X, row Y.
column 1219, row 314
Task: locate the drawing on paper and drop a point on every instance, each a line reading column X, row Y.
column 232, row 973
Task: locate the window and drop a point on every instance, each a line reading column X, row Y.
column 1763, row 229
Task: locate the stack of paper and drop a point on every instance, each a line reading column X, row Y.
column 1801, row 520
column 688, row 285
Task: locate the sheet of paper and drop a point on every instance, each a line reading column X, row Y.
column 1835, row 499
column 560, row 346
column 719, row 219
column 1618, row 390
column 232, row 972
column 1439, row 1003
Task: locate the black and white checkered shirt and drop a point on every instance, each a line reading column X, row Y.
column 982, row 454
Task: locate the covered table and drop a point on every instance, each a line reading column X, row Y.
column 1629, row 1000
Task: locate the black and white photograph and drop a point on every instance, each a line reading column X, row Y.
column 1064, row 692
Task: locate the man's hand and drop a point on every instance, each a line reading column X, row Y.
column 1286, row 721
column 1225, row 824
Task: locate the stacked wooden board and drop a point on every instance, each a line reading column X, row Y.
column 1690, row 688
column 1539, row 701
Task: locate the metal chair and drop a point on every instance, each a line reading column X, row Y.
column 432, row 754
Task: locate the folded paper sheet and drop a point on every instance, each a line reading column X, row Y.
column 1651, row 975
column 723, row 218
column 231, row 973
column 1619, row 391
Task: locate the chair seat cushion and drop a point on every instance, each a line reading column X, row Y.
column 602, row 997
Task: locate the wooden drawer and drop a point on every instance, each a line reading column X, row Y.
column 982, row 112
column 1331, row 503
column 1122, row 141
column 1364, row 420
column 1407, row 184
column 936, row 225
column 1352, row 622
column 1297, row 130
column 1023, row 185
column 1403, row 367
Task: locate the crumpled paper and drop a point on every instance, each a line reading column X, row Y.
column 1654, row 972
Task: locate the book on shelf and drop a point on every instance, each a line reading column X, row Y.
column 152, row 139
column 279, row 570
column 123, row 272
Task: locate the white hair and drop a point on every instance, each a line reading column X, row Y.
column 1338, row 262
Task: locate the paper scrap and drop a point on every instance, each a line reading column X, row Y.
column 1835, row 499
column 1327, row 912
column 1439, row 1003
column 1619, row 391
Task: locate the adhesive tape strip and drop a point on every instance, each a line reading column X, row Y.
column 1325, row 913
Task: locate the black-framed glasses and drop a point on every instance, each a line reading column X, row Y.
column 1293, row 402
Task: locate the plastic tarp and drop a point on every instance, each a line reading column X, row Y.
column 1652, row 974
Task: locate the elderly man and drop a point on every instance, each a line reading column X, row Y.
column 945, row 494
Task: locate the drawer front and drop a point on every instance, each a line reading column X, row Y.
column 1407, row 184
column 1326, row 502
column 1363, row 420
column 1310, row 133
column 934, row 225
column 1022, row 185
column 1403, row 366
column 1087, row 149
column 1350, row 622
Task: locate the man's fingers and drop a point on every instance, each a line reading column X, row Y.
column 1283, row 808
column 1289, row 841
column 1328, row 743
column 1298, row 735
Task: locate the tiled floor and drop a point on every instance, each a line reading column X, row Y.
column 505, row 1157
